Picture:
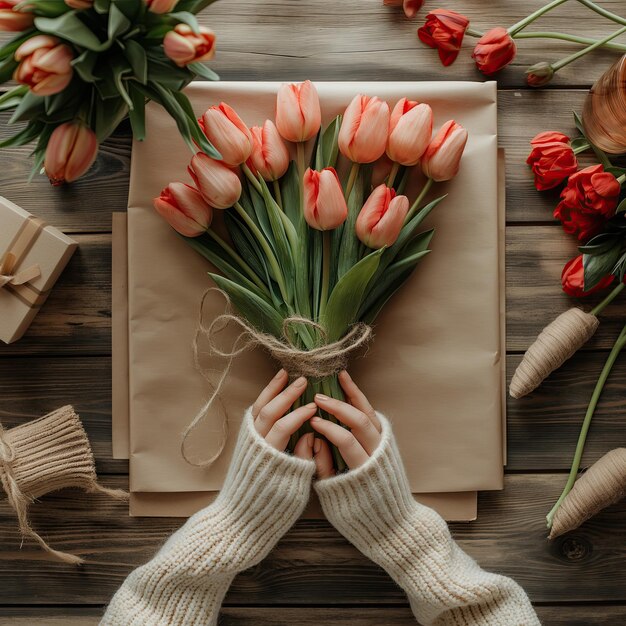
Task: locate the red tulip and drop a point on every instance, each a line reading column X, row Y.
column 442, row 157
column 411, row 7
column 270, row 156
column 44, row 65
column 161, row 6
column 218, row 184
column 71, row 151
column 14, row 20
column 573, row 279
column 380, row 221
column 494, row 50
column 298, row 112
column 539, row 74
column 184, row 209
column 183, row 46
column 410, row 130
column 444, row 31
column 225, row 130
column 552, row 159
column 324, row 203
column 365, row 129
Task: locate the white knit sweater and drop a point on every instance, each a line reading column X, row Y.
column 264, row 493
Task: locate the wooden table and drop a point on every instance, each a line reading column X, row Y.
column 314, row 576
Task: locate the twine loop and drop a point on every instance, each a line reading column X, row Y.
column 8, row 275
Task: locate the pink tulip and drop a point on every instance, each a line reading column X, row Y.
column 71, row 151
column 184, row 209
column 218, row 184
column 411, row 7
column 380, row 221
column 324, row 204
column 79, row 5
column 161, row 6
column 225, row 130
column 13, row 20
column 298, row 113
column 410, row 130
column 44, row 65
column 183, row 46
column 442, row 157
column 364, row 130
column 270, row 156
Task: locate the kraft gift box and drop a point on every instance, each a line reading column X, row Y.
column 32, row 257
column 435, row 366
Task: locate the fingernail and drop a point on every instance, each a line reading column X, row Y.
column 316, row 419
column 310, row 406
column 322, row 397
column 281, row 372
column 317, row 446
column 345, row 374
column 300, row 382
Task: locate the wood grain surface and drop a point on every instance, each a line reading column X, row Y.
column 314, row 576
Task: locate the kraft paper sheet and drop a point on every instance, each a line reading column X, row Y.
column 436, row 364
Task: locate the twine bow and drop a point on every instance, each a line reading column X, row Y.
column 322, row 361
column 9, row 276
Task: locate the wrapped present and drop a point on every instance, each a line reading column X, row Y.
column 32, row 257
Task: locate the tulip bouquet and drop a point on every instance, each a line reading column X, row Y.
column 591, row 208
column 84, row 65
column 310, row 250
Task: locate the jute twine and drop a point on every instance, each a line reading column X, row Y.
column 556, row 343
column 603, row 484
column 45, row 455
column 320, row 362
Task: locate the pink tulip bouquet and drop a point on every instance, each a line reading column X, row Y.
column 82, row 66
column 307, row 256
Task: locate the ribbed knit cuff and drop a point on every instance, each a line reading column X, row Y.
column 372, row 506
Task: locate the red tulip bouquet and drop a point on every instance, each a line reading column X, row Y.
column 591, row 208
column 84, row 65
column 309, row 257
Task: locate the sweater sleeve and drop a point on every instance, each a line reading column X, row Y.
column 264, row 493
column 372, row 506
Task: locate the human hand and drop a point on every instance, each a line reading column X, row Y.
column 275, row 424
column 355, row 445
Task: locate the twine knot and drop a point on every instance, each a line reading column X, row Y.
column 8, row 275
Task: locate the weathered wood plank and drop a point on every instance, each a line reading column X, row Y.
column 560, row 615
column 313, row 563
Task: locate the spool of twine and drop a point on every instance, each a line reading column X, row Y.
column 603, row 484
column 556, row 343
column 326, row 359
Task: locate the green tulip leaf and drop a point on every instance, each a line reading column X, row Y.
column 202, row 70
column 136, row 56
column 328, row 145
column 29, row 107
column 118, row 22
column 102, row 6
column 108, row 115
column 137, row 114
column 188, row 18
column 84, row 64
column 71, row 28
column 598, row 266
column 26, row 135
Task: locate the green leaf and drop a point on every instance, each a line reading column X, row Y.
column 84, row 64
column 599, row 244
column 136, row 56
column 71, row 28
column 328, row 145
column 616, row 171
column 193, row 6
column 30, row 106
column 598, row 266
column 7, row 68
column 102, row 6
column 202, row 70
column 137, row 114
column 13, row 97
column 118, row 76
column 48, row 8
column 621, row 207
column 118, row 22
column 26, row 135
column 254, row 309
column 161, row 70
column 9, row 48
column 579, row 142
column 290, row 193
column 186, row 18
column 130, row 8
column 418, row 243
column 108, row 115
column 194, row 128
column 347, row 297
column 350, row 246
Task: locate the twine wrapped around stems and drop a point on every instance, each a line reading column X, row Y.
column 320, row 362
column 603, row 484
column 556, row 343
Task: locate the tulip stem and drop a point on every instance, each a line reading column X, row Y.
column 611, row 16
column 512, row 30
column 418, row 200
column 325, row 272
column 278, row 195
column 621, row 179
column 572, row 57
column 354, row 172
column 252, row 178
column 392, row 175
column 566, row 37
column 597, row 392
column 271, row 258
column 237, row 258
column 472, row 32
column 582, row 148
column 600, row 307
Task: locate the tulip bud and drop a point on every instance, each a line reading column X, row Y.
column 270, row 157
column 324, row 203
column 410, row 130
column 184, row 209
column 381, row 219
column 218, row 184
column 71, row 151
column 183, row 46
column 364, row 129
column 45, row 65
column 225, row 130
column 298, row 112
column 161, row 6
column 79, row 5
column 494, row 50
column 13, row 20
column 539, row 74
column 442, row 157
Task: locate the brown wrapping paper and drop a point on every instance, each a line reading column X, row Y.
column 32, row 257
column 435, row 366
